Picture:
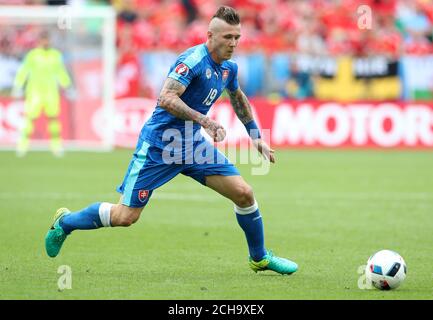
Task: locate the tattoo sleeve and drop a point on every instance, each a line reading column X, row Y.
column 241, row 105
column 169, row 99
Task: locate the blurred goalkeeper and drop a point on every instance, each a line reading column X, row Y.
column 166, row 149
column 41, row 73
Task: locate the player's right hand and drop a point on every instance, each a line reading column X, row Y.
column 214, row 130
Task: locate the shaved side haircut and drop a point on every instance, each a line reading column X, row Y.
column 228, row 14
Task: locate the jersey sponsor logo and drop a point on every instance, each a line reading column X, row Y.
column 142, row 195
column 225, row 74
column 182, row 69
column 208, row 73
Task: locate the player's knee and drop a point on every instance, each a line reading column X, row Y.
column 125, row 216
column 244, row 196
column 129, row 219
column 126, row 221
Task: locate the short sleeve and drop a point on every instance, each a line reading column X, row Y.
column 182, row 73
column 233, row 84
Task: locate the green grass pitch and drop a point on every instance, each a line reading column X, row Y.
column 326, row 210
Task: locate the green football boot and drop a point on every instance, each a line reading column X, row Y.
column 274, row 263
column 56, row 236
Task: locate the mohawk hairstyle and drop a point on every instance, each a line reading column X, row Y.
column 228, row 14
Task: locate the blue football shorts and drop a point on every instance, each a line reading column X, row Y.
column 151, row 167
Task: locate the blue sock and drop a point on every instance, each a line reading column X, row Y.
column 252, row 225
column 85, row 219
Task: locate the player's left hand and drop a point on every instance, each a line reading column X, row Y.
column 264, row 149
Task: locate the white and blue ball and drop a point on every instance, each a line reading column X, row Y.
column 385, row 270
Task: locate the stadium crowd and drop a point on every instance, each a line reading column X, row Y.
column 315, row 27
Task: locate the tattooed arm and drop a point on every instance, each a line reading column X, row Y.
column 169, row 99
column 243, row 110
column 241, row 105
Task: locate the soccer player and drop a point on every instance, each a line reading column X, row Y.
column 42, row 71
column 165, row 148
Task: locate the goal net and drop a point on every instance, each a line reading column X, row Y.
column 85, row 38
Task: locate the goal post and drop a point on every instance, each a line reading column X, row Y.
column 86, row 37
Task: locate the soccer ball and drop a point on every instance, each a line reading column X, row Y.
column 385, row 270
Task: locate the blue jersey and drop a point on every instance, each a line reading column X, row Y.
column 204, row 80
column 151, row 166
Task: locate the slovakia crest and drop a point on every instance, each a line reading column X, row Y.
column 208, row 73
column 225, row 74
column 182, row 69
column 142, row 195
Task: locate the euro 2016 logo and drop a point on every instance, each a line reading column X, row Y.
column 182, row 69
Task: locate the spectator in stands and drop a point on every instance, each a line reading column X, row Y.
column 314, row 27
column 415, row 26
